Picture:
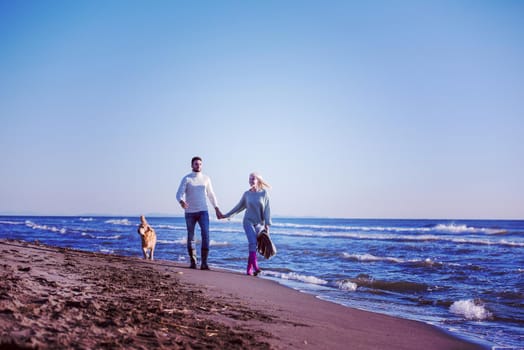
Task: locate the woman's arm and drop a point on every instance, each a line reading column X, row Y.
column 238, row 208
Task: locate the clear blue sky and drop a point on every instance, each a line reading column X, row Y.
column 357, row 109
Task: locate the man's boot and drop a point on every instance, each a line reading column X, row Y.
column 192, row 258
column 205, row 253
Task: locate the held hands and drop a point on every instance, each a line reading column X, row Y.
column 219, row 214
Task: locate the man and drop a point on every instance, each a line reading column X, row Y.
column 191, row 194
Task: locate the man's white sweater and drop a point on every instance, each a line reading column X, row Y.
column 193, row 189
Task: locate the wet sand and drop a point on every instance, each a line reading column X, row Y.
column 61, row 298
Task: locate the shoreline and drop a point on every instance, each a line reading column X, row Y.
column 55, row 297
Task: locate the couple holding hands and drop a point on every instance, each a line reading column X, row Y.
column 192, row 193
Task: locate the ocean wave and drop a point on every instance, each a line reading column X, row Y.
column 169, row 227
column 352, row 228
column 503, row 242
column 109, row 237
column 86, row 219
column 228, row 230
column 34, row 226
column 214, row 243
column 453, row 228
column 183, row 241
column 11, row 223
column 471, row 310
column 370, row 257
column 296, row 277
column 428, row 262
column 124, row 222
column 346, row 285
column 440, row 228
column 392, row 286
column 88, row 230
column 175, row 241
column 85, row 234
column 278, row 269
column 404, row 238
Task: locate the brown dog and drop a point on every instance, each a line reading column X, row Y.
column 148, row 236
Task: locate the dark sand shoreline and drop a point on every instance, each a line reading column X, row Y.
column 61, row 298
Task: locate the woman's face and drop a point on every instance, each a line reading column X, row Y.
column 253, row 181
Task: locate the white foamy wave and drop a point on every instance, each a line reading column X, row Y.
column 296, row 277
column 11, row 223
column 430, row 262
column 86, row 219
column 182, row 241
column 214, row 243
column 34, row 226
column 124, row 222
column 370, row 257
column 170, row 227
column 440, row 228
column 504, row 242
column 470, row 309
column 347, row 285
column 511, row 243
column 396, row 237
column 109, row 237
column 453, row 228
column 229, row 230
column 352, row 228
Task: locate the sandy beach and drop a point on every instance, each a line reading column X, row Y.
column 61, row 298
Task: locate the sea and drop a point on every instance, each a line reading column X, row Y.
column 463, row 276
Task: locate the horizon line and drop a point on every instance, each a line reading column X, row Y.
column 165, row 215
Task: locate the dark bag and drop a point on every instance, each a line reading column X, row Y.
column 264, row 245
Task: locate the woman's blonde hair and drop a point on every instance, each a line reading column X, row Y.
column 261, row 184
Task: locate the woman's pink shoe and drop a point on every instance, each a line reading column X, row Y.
column 253, row 258
column 249, row 270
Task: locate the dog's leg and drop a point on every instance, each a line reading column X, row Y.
column 152, row 253
column 144, row 250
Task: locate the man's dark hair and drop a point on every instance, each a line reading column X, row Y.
column 195, row 158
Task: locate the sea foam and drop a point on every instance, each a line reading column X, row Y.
column 34, row 226
column 124, row 222
column 214, row 243
column 11, row 223
column 347, row 285
column 454, row 228
column 109, row 237
column 370, row 257
column 293, row 276
column 182, row 241
column 470, row 309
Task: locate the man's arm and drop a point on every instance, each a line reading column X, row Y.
column 180, row 194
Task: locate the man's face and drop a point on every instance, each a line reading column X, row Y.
column 197, row 166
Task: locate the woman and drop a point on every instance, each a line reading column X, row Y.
column 257, row 217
